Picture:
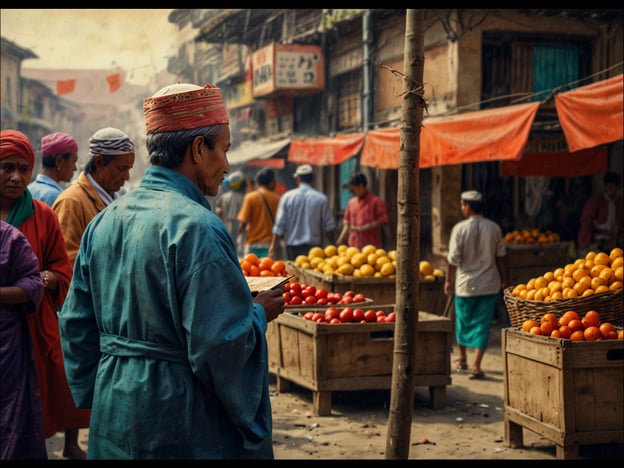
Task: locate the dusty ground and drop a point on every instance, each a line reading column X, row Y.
column 469, row 427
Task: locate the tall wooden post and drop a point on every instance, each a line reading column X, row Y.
column 408, row 241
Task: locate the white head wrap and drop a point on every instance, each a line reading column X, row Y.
column 110, row 140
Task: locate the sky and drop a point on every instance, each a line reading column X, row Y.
column 139, row 41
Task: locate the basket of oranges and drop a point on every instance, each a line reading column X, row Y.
column 590, row 283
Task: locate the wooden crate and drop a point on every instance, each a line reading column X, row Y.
column 569, row 392
column 381, row 290
column 344, row 357
column 526, row 261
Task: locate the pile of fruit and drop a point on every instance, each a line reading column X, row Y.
column 367, row 262
column 531, row 236
column 348, row 314
column 597, row 273
column 295, row 294
column 573, row 327
column 265, row 266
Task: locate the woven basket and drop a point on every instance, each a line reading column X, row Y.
column 609, row 305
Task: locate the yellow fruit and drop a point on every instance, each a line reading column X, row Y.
column 381, row 252
column 367, row 270
column 382, row 260
column 342, row 249
column 300, row 260
column 316, row 252
column 358, row 260
column 372, row 258
column 437, row 272
column 616, row 252
column 387, row 269
column 346, row 269
column 328, row 270
column 368, row 249
column 330, row 250
column 618, row 273
column 315, row 261
column 392, row 254
column 428, row 278
column 351, row 251
column 602, row 258
column 425, row 268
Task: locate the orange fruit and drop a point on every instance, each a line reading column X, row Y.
column 245, row 266
column 620, row 335
column 547, row 327
column 549, row 317
column 567, row 316
column 254, row 270
column 591, row 319
column 596, row 282
column 278, row 267
column 603, row 289
column 602, row 258
column 592, row 334
column 266, row 273
column 565, row 331
column 579, row 273
column 616, row 252
column 540, row 282
column 535, row 330
column 590, row 255
column 575, row 324
column 555, row 333
column 606, row 328
column 252, row 258
column 265, row 263
column 577, row 335
column 528, row 324
column 615, row 286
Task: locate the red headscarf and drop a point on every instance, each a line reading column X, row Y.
column 15, row 143
column 184, row 106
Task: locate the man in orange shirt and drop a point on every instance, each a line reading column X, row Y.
column 257, row 214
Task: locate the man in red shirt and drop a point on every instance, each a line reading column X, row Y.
column 364, row 217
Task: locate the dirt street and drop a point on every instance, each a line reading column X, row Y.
column 469, row 427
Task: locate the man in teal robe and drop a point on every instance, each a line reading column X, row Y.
column 161, row 335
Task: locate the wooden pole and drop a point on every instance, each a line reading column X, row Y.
column 408, row 241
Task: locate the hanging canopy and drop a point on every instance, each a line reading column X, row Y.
column 487, row 135
column 325, row 151
column 254, row 149
column 558, row 163
column 592, row 115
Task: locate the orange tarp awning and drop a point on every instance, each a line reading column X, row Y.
column 558, row 164
column 480, row 136
column 273, row 163
column 592, row 115
column 325, row 151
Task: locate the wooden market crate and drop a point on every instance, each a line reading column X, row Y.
column 324, row 358
column 526, row 261
column 381, row 290
column 569, row 392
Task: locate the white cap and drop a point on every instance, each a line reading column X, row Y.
column 472, row 195
column 304, row 169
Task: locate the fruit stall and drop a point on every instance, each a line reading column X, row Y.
column 324, row 357
column 563, row 356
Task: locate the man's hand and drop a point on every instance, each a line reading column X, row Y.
column 272, row 300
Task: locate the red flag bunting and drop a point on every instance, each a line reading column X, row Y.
column 114, row 82
column 65, row 86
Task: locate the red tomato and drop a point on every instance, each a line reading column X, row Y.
column 345, row 300
column 308, row 315
column 295, row 300
column 333, row 298
column 309, row 300
column 380, row 313
column 307, row 292
column 391, row 317
column 311, row 289
column 358, row 315
column 287, row 297
column 322, row 301
column 318, row 317
column 381, row 319
column 321, row 293
column 370, row 316
column 295, row 288
column 335, row 321
column 348, row 293
column 286, row 287
column 332, row 312
column 346, row 315
column 359, row 297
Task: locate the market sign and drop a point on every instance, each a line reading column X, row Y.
column 291, row 69
column 238, row 95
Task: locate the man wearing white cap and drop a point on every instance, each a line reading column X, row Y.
column 303, row 217
column 111, row 157
column 476, row 263
column 59, row 154
column 161, row 334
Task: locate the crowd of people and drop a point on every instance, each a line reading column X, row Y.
column 137, row 302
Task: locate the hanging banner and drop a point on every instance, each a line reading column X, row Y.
column 488, row 135
column 325, row 151
column 592, row 115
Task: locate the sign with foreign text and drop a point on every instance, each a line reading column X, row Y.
column 238, row 95
column 287, row 69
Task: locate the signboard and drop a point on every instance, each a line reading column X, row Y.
column 237, row 95
column 287, row 69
